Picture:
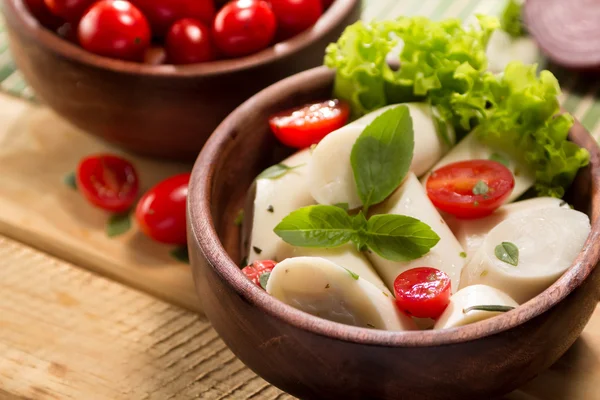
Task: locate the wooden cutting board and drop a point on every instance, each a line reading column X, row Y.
column 37, row 150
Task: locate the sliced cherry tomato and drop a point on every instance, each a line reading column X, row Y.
column 188, row 42
column 470, row 189
column 295, row 16
column 163, row 13
column 108, row 182
column 303, row 126
column 69, row 10
column 244, row 27
column 40, row 11
column 160, row 213
column 423, row 292
column 115, row 28
column 255, row 270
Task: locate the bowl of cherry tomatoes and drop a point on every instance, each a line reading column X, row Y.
column 156, row 77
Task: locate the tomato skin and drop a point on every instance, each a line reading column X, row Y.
column 244, row 27
column 41, row 12
column 256, row 269
column 115, row 28
column 69, row 10
column 188, row 42
column 163, row 13
column 450, row 188
column 423, row 292
column 295, row 16
column 304, row 126
column 108, row 182
column 160, row 213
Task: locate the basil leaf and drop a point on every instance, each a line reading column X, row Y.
column 70, row 180
column 316, row 226
column 263, row 279
column 343, row 206
column 118, row 224
column 500, row 158
column 398, row 237
column 488, row 308
column 276, row 171
column 382, row 154
column 480, row 188
column 181, row 254
column 507, row 252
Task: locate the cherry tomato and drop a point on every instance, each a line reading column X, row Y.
column 108, row 182
column 163, row 13
column 423, row 292
column 160, row 213
column 244, row 27
column 69, row 10
column 326, row 4
column 257, row 269
column 115, row 28
column 470, row 189
column 303, row 126
column 295, row 16
column 41, row 12
column 188, row 42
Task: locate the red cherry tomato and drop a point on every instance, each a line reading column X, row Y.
column 69, row 10
column 423, row 292
column 188, row 42
column 326, row 4
column 41, row 12
column 115, row 28
column 470, row 189
column 244, row 27
column 108, row 182
column 163, row 13
column 295, row 16
column 160, row 213
column 257, row 269
column 303, row 126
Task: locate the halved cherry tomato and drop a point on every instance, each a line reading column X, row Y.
column 244, row 27
column 255, row 270
column 41, row 12
column 160, row 213
column 163, row 13
column 423, row 292
column 295, row 16
column 303, row 126
column 69, row 10
column 114, row 28
column 108, row 182
column 188, row 42
column 470, row 189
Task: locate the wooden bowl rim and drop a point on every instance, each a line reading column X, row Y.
column 205, row 238
column 330, row 19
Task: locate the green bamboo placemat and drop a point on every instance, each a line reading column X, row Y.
column 579, row 94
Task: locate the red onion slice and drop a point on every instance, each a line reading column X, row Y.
column 568, row 31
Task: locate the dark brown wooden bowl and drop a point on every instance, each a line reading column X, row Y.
column 316, row 359
column 163, row 111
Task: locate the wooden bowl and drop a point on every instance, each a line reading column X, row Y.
column 163, row 111
column 312, row 358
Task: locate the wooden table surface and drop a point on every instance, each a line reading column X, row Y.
column 83, row 316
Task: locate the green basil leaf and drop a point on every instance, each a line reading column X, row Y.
column 500, row 158
column 488, row 308
column 507, row 252
column 317, row 226
column 70, row 180
column 398, row 237
column 480, row 188
column 118, row 224
column 382, row 154
column 276, row 171
column 343, row 206
column 181, row 254
column 263, row 279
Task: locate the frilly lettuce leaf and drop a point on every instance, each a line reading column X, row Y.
column 511, row 20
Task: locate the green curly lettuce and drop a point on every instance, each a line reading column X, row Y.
column 511, row 20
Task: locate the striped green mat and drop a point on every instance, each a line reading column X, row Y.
column 579, row 94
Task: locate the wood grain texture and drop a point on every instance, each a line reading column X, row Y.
column 66, row 333
column 37, row 149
